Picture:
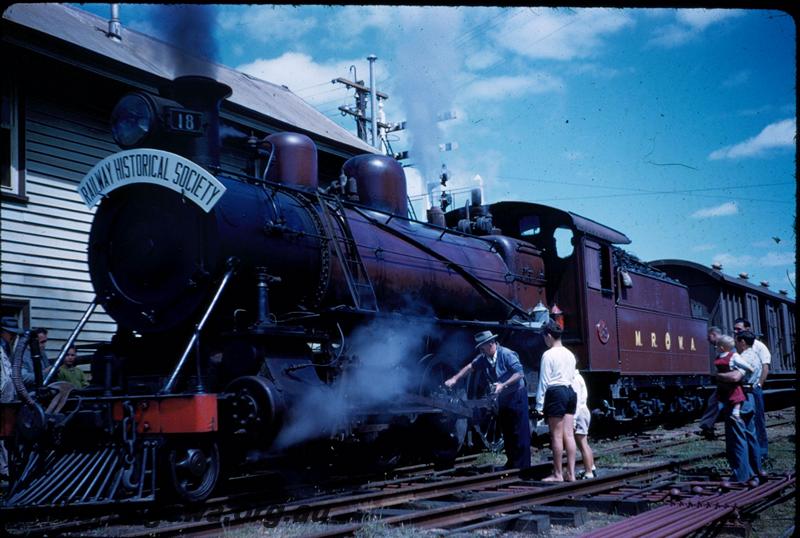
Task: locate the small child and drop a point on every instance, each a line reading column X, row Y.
column 730, row 393
column 583, row 417
column 70, row 373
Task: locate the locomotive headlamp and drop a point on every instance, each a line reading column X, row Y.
column 133, row 120
column 140, row 118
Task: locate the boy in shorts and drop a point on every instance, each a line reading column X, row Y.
column 583, row 417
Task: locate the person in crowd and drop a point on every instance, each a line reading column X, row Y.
column 727, row 394
column 41, row 333
column 504, row 370
column 741, row 444
column 8, row 330
column 713, row 405
column 556, row 399
column 69, row 371
column 741, row 325
column 583, row 418
column 28, row 371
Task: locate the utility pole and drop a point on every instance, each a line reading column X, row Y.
column 359, row 112
column 373, row 109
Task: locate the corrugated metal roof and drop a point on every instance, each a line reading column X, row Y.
column 137, row 50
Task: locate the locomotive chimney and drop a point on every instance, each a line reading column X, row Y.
column 204, row 95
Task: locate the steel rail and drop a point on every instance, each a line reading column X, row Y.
column 688, row 515
column 460, row 513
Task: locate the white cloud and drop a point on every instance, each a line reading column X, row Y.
column 737, row 79
column 300, row 72
column 777, row 259
column 561, row 35
column 346, row 20
column 501, row 88
column 700, row 19
column 689, row 25
column 776, row 135
column 723, row 210
column 744, row 262
column 731, row 263
column 481, row 59
column 268, row 23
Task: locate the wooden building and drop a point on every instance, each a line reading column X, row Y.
column 63, row 73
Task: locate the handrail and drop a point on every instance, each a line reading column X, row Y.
column 199, row 327
column 70, row 341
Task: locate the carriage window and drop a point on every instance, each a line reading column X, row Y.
column 564, row 247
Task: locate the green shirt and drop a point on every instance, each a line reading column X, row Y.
column 73, row 375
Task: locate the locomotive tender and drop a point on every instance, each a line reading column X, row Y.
column 267, row 309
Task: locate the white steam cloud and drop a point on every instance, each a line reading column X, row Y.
column 384, row 353
column 428, row 63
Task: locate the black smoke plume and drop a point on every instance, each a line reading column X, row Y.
column 190, row 28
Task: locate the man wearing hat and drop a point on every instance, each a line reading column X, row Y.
column 504, row 370
column 10, row 328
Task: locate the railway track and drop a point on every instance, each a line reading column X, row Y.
column 465, row 497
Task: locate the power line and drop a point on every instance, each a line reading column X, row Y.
column 648, row 191
column 312, row 86
column 335, row 88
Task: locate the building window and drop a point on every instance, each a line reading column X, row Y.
column 17, row 308
column 11, row 170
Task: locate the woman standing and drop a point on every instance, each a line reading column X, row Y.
column 557, row 400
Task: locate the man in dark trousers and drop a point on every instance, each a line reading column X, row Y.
column 504, row 370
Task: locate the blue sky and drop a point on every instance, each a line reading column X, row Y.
column 676, row 127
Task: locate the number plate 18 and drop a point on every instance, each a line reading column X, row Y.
column 186, row 121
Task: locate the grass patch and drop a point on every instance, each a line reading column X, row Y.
column 490, row 458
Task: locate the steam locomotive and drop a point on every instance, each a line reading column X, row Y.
column 266, row 311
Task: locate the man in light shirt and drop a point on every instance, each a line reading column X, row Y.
column 741, row 325
column 504, row 370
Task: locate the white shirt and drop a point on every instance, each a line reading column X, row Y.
column 493, row 359
column 579, row 386
column 762, row 351
column 557, row 368
column 749, row 356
